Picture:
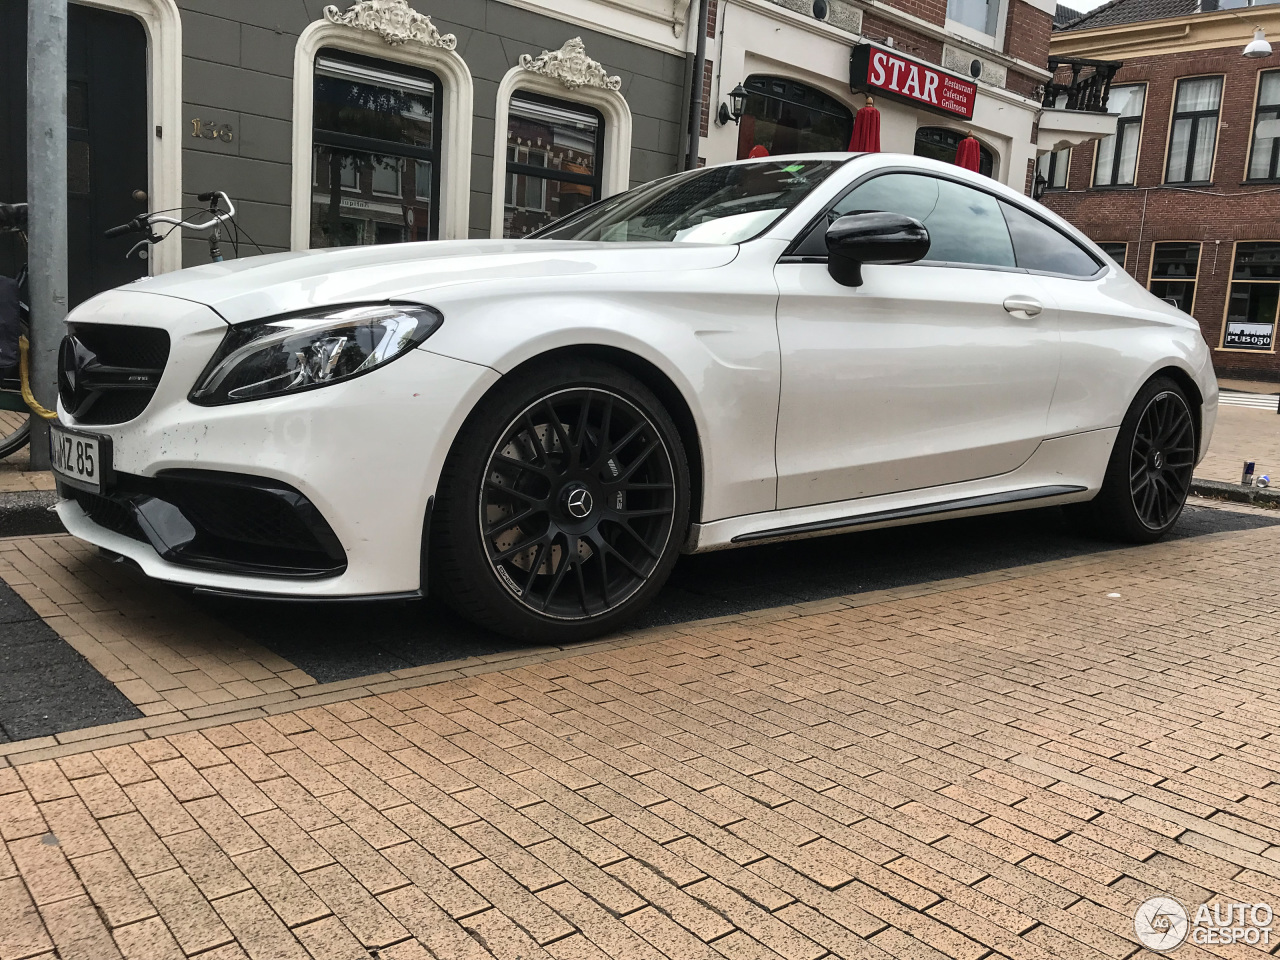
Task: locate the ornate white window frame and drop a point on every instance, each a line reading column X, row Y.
column 163, row 25
column 565, row 74
column 417, row 48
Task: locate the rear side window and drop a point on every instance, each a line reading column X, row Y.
column 965, row 225
column 1039, row 246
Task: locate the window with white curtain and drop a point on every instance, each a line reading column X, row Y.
column 980, row 15
column 1264, row 157
column 1195, row 130
column 1117, row 164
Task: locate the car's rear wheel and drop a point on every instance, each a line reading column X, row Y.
column 1149, row 474
column 562, row 506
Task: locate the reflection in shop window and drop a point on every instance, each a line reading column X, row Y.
column 1115, row 250
column 1255, row 293
column 784, row 117
column 376, row 152
column 1174, row 267
column 554, row 156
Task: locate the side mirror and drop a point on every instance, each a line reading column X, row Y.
column 872, row 237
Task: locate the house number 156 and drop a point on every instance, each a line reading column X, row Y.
column 212, row 131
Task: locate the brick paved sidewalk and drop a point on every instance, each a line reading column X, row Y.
column 1242, row 433
column 1002, row 766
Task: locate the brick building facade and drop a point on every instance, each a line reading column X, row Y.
column 1195, row 215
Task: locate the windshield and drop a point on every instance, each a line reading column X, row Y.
column 716, row 205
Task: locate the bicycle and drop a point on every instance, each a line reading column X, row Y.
column 15, row 416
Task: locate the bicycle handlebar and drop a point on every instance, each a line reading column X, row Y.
column 133, row 226
column 147, row 220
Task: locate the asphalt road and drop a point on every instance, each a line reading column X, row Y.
column 339, row 641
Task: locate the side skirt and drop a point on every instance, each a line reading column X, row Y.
column 906, row 513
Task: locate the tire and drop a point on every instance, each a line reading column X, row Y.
column 562, row 506
column 1149, row 473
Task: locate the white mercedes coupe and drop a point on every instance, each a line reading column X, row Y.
column 535, row 429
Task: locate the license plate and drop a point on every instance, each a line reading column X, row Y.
column 79, row 459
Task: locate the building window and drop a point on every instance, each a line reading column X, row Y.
column 1173, row 273
column 1264, row 156
column 1194, row 131
column 1117, row 163
column 939, row 143
column 1255, row 293
column 376, row 152
column 1052, row 168
column 554, row 158
column 980, row 15
column 1116, row 251
column 784, row 116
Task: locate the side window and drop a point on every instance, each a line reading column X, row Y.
column 1039, row 246
column 965, row 225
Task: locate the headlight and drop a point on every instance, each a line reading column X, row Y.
column 288, row 354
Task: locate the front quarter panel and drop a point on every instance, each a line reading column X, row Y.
column 711, row 332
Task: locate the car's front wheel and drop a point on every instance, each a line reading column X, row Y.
column 1149, row 474
column 562, row 506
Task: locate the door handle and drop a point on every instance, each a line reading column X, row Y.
column 1024, row 308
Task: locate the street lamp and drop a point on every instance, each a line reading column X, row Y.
column 1258, row 47
column 738, row 99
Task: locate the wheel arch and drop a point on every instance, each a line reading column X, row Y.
column 1190, row 388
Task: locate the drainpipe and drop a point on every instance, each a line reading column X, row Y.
column 696, row 86
column 47, row 199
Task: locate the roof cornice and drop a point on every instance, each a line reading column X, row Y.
column 1184, row 34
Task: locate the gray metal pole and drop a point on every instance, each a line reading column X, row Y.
column 696, row 87
column 47, row 199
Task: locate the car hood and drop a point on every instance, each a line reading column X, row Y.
column 264, row 286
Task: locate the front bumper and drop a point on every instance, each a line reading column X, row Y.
column 339, row 478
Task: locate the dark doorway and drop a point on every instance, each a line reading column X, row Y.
column 106, row 140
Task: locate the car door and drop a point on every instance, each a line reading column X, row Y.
column 929, row 373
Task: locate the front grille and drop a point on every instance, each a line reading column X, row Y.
column 248, row 516
column 108, row 373
column 221, row 521
column 115, row 515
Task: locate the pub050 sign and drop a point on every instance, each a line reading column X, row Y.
column 1242, row 335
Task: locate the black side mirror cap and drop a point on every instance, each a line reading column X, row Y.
column 873, row 237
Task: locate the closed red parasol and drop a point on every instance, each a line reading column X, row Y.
column 866, row 130
column 968, row 154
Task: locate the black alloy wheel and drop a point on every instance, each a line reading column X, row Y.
column 1149, row 472
column 577, row 504
column 563, row 505
column 1162, row 456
